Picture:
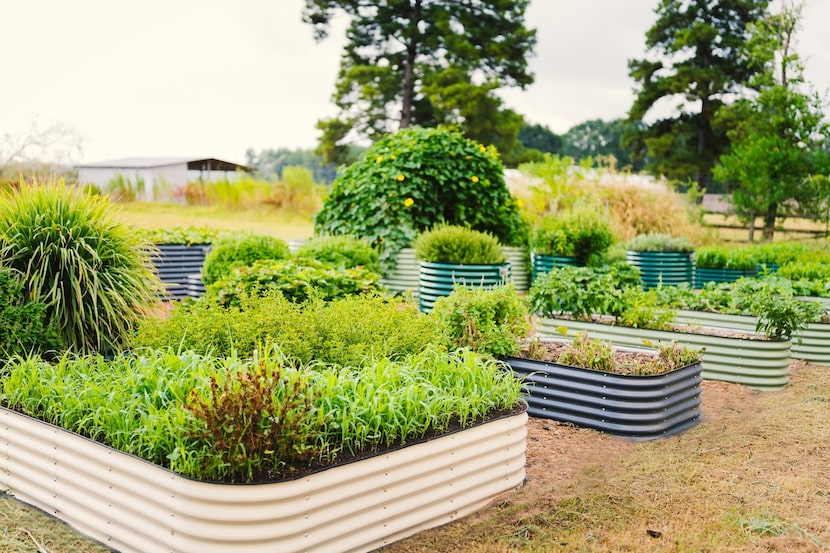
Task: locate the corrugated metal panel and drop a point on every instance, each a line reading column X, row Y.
column 437, row 280
column 639, row 407
column 667, row 268
column 176, row 263
column 519, row 267
column 704, row 275
column 814, row 343
column 404, row 278
column 760, row 364
column 542, row 264
column 136, row 507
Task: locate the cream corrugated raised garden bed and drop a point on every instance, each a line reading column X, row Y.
column 132, row 505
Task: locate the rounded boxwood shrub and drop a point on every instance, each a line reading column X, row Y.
column 657, row 242
column 238, row 250
column 298, row 279
column 93, row 274
column 455, row 244
column 582, row 233
column 341, row 250
column 414, row 179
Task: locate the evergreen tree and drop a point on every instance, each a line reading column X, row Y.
column 697, row 63
column 425, row 63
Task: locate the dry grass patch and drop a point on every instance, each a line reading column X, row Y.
column 751, row 477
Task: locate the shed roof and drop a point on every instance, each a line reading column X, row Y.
column 194, row 164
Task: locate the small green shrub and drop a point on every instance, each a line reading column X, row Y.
column 23, row 325
column 489, row 321
column 297, row 279
column 414, row 179
column 238, row 250
column 583, row 233
column 655, row 242
column 725, row 257
column 342, row 251
column 92, row 273
column 454, row 244
column 182, row 235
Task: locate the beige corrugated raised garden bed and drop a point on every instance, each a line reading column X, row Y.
column 135, row 506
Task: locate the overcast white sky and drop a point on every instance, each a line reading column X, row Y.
column 215, row 77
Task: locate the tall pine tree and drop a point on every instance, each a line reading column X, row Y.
column 696, row 63
column 425, row 63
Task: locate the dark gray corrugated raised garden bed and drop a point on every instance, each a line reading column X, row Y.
column 175, row 264
column 636, row 407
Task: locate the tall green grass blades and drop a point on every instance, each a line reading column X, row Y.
column 234, row 419
column 93, row 274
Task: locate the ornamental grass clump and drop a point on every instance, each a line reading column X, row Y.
column 92, row 273
column 414, row 179
column 455, row 244
column 259, row 419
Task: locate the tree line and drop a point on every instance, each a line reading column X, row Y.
column 720, row 95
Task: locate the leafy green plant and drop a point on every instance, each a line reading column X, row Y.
column 238, row 250
column 182, row 235
column 579, row 292
column 489, row 321
column 779, row 253
column 298, row 279
column 341, row 250
column 93, row 274
column 415, row 179
column 23, row 325
column 259, row 412
column 583, row 233
column 656, row 242
column 454, row 244
column 725, row 257
column 588, row 353
column 643, row 310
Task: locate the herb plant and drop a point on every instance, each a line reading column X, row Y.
column 489, row 321
column 657, row 242
column 341, row 250
column 239, row 250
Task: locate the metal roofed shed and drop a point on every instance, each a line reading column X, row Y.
column 158, row 175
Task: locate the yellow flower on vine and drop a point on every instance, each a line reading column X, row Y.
column 392, row 156
column 475, row 178
column 379, row 159
column 520, row 203
column 409, row 202
column 401, row 178
column 482, row 149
